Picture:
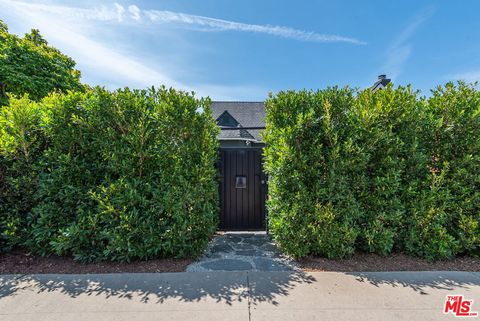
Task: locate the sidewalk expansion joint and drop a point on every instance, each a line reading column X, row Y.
column 249, row 294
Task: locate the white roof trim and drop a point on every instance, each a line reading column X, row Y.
column 242, row 139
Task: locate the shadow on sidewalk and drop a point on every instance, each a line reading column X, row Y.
column 420, row 282
column 227, row 287
column 188, row 287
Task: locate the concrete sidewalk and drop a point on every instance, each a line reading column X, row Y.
column 235, row 296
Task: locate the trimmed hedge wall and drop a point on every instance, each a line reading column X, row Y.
column 376, row 172
column 109, row 175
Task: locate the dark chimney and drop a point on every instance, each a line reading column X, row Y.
column 382, row 82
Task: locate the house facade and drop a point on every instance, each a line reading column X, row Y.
column 243, row 185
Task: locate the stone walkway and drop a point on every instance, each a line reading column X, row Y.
column 252, row 251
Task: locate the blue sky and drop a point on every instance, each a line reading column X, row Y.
column 241, row 50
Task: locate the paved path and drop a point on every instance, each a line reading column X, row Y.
column 242, row 251
column 235, row 296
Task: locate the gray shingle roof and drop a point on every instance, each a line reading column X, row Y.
column 241, row 114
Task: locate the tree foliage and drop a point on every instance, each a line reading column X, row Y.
column 29, row 65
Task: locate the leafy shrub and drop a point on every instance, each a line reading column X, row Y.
column 374, row 171
column 447, row 216
column 128, row 174
column 428, row 232
column 309, row 157
column 22, row 143
column 387, row 134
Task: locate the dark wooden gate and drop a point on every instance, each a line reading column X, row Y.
column 242, row 189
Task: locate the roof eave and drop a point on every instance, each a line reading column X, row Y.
column 240, row 138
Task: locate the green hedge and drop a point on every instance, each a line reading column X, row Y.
column 109, row 175
column 376, row 172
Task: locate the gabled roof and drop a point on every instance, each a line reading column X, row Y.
column 225, row 120
column 239, row 114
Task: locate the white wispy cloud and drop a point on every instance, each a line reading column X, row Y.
column 104, row 60
column 401, row 49
column 118, row 13
column 469, row 76
column 101, row 60
column 225, row 25
column 134, row 12
column 93, row 54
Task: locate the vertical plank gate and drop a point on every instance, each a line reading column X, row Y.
column 242, row 189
